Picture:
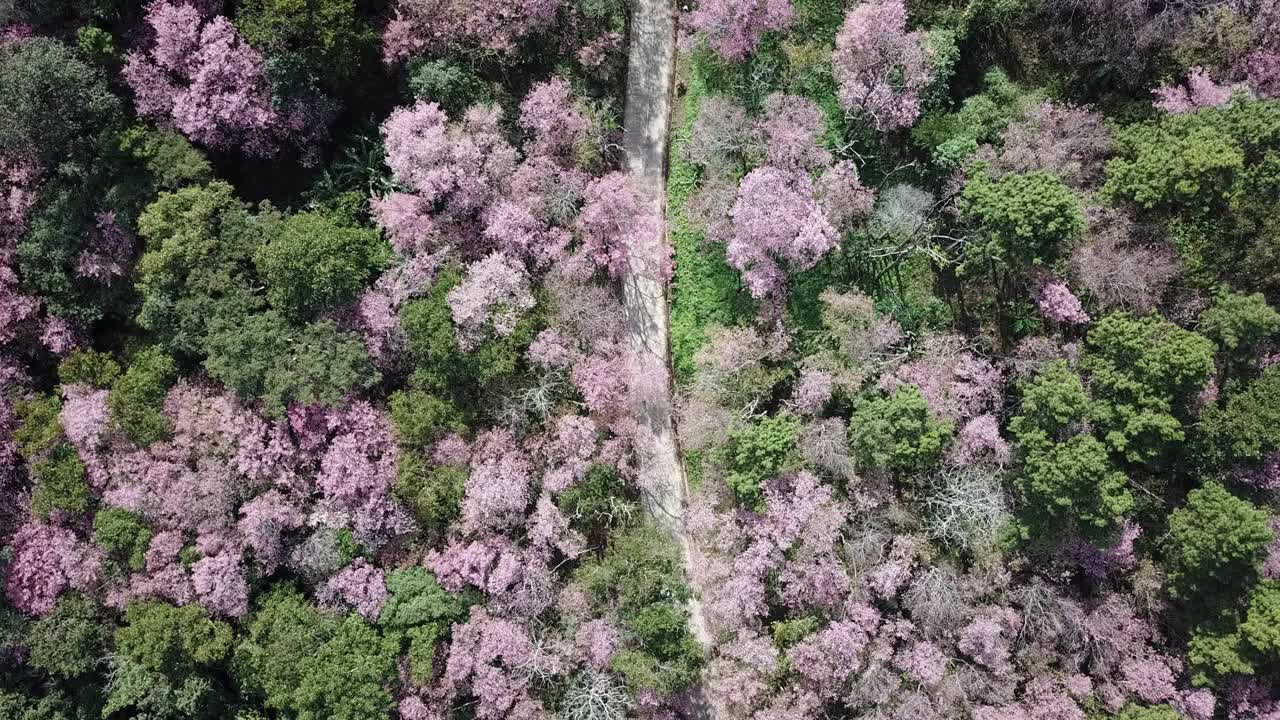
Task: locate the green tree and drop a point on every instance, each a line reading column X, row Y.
column 1216, row 650
column 88, row 367
column 1021, row 222
column 40, row 427
column 60, row 484
column 896, row 433
column 1246, row 429
column 1143, row 373
column 265, row 357
column 420, row 417
column 173, row 641
column 51, row 103
column 447, row 82
column 136, row 400
column 283, row 630
column 1261, row 628
column 1215, row 545
column 347, row 678
column 641, row 577
column 598, row 504
column 1133, row 711
column 331, row 37
column 315, row 262
column 1054, row 407
column 1240, row 324
column 759, row 452
column 69, row 641
column 169, row 159
column 1176, row 164
column 311, row 666
column 423, row 611
column 123, row 536
column 1072, row 485
column 200, row 241
column 433, row 494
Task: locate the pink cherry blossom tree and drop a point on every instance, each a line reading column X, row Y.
column 881, row 68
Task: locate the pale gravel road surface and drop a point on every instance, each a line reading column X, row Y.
column 650, row 86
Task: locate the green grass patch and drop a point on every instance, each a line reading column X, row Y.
column 705, row 290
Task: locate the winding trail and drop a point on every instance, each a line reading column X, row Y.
column 650, row 87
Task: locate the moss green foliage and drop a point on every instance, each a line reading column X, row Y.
column 123, row 536
column 1021, row 221
column 431, row 341
column 172, row 640
column 641, row 578
column 137, row 398
column 454, row 86
column 1215, row 546
column 706, row 291
column 1240, row 323
column 50, row 101
column 69, row 641
column 39, row 427
column 599, row 504
column 423, row 611
column 1246, row 428
column 264, row 357
column 1211, row 177
column 1067, row 482
column 1261, row 628
column 433, row 494
column 896, row 433
column 60, row 484
column 1072, row 485
column 88, row 367
column 789, row 632
column 952, row 137
column 1216, row 651
column 331, row 38
column 420, row 418
column 1143, row 373
column 1134, row 711
column 315, row 262
column 170, row 160
column 198, row 267
column 757, row 453
column 1175, row 167
column 311, row 666
column 1054, row 404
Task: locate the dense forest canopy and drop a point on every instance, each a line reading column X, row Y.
column 319, row 397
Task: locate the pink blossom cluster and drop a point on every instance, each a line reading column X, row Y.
column 199, row 74
column 881, row 68
column 434, row 26
column 734, row 28
column 1059, row 305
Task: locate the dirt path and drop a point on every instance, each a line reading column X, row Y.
column 650, row 85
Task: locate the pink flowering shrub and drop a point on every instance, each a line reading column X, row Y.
column 359, row 586
column 489, row 300
column 550, row 114
column 434, row 26
column 47, row 561
column 200, row 75
column 777, row 221
column 612, row 216
column 1199, row 92
column 220, row 585
column 1058, row 305
column 880, row 67
column 733, row 28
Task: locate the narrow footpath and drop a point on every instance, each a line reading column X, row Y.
column 650, row 87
